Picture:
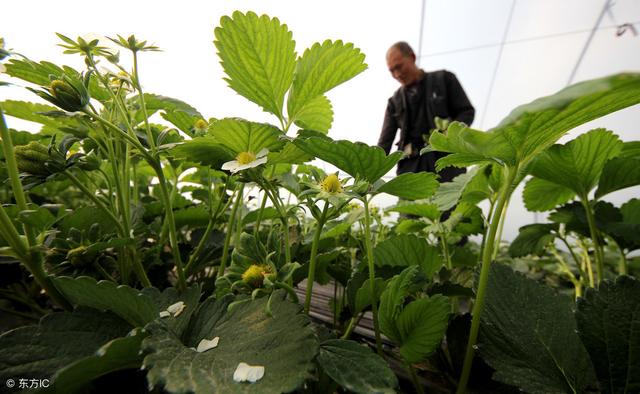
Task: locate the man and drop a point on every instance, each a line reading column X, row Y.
column 414, row 106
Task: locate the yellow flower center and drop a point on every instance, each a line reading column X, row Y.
column 201, row 124
column 331, row 184
column 245, row 157
column 254, row 275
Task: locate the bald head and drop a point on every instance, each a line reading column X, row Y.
column 401, row 61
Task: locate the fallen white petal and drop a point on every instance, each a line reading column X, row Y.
column 207, row 344
column 248, row 373
column 176, row 309
column 165, row 314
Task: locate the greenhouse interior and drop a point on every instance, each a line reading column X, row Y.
column 424, row 196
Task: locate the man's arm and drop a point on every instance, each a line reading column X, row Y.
column 459, row 105
column 389, row 128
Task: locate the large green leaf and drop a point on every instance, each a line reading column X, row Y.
column 59, row 340
column 363, row 295
column 411, row 186
column 359, row 160
column 533, row 127
column 118, row 354
column 409, row 281
column 204, row 150
column 284, row 344
column 155, row 102
column 321, row 68
column 30, row 111
column 124, row 301
column 407, row 250
column 532, row 239
column 577, row 165
column 528, row 335
column 258, row 55
column 422, row 325
column 355, row 367
column 541, row 195
column 316, row 115
column 619, row 173
column 239, row 135
column 290, row 154
column 609, row 326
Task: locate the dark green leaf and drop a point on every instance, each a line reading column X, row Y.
column 409, row 281
column 124, row 301
column 423, row 208
column 449, row 193
column 528, row 335
column 284, row 344
column 422, row 325
column 59, row 340
column 204, row 150
column 356, row 368
column 533, row 239
column 609, row 326
column 363, row 295
column 407, row 250
column 619, row 173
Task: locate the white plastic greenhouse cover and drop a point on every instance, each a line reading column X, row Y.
column 505, row 53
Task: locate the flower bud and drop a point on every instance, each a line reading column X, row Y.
column 331, row 184
column 255, row 274
column 31, row 158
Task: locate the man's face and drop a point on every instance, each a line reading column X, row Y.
column 402, row 68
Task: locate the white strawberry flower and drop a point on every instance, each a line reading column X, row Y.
column 246, row 160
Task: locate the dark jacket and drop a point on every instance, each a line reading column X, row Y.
column 444, row 97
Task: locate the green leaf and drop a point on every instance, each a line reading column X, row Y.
column 204, row 150
column 359, row 160
column 577, row 165
column 422, row 325
column 124, row 301
column 363, row 295
column 182, row 121
column 409, row 281
column 411, row 186
column 631, row 211
column 532, row 128
column 422, row 208
column 59, row 340
column 356, row 368
column 196, row 216
column 321, row 68
column 37, row 73
column 155, row 102
column 239, row 135
column 316, row 115
column 290, row 154
column 258, row 55
column 619, row 173
column 528, row 335
column 408, row 226
column 30, row 111
column 540, row 195
column 118, row 354
column 267, row 213
column 83, row 218
column 533, row 239
column 609, row 326
column 407, row 250
column 284, row 344
column 449, row 193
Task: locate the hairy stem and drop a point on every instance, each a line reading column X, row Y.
column 229, row 233
column 593, row 230
column 312, row 261
column 372, row 274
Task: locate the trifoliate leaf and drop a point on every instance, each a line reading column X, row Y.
column 411, row 186
column 239, row 135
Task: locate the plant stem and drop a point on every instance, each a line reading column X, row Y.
column 227, row 237
column 594, row 237
column 99, row 204
column 414, row 379
column 143, row 105
column 353, row 322
column 256, row 228
column 12, row 169
column 445, row 250
column 312, row 261
column 372, row 274
column 487, row 254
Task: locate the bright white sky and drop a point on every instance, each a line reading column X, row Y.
column 543, row 40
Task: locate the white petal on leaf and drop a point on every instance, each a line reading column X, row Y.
column 165, row 314
column 207, row 344
column 248, row 373
column 176, row 309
